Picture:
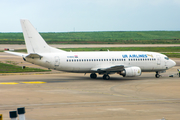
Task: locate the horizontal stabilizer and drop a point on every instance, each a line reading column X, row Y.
column 16, row 53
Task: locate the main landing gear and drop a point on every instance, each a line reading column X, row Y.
column 94, row 76
column 106, row 77
column 157, row 75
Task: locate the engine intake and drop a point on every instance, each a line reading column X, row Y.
column 131, row 72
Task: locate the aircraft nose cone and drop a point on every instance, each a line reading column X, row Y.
column 173, row 63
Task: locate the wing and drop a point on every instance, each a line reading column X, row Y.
column 108, row 69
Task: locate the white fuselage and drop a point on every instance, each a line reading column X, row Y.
column 84, row 62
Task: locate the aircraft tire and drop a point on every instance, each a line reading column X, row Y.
column 93, row 75
column 106, row 77
column 157, row 75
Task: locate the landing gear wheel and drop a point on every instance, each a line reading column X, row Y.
column 157, row 75
column 106, row 77
column 93, row 76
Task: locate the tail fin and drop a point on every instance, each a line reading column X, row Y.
column 34, row 42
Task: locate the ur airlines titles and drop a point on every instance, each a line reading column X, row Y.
column 127, row 63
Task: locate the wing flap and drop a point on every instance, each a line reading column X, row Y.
column 114, row 68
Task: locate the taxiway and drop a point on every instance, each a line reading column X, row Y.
column 64, row 96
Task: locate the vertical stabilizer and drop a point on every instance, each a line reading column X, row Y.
column 34, row 42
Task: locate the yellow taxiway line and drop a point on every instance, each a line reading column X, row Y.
column 14, row 83
column 8, row 83
column 34, row 82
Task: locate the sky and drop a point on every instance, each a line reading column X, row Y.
column 91, row 15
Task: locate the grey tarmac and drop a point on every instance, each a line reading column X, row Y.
column 75, row 96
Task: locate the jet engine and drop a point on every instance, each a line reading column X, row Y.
column 131, row 72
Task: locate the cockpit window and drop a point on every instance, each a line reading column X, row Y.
column 166, row 58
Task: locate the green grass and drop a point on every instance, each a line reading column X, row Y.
column 8, row 68
column 115, row 37
column 172, row 55
column 153, row 49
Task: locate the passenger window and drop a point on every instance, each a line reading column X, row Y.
column 109, row 59
column 89, row 59
column 77, row 60
column 115, row 59
column 124, row 59
column 112, row 59
column 67, row 60
column 74, row 60
column 84, row 60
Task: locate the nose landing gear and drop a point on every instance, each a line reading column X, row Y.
column 157, row 75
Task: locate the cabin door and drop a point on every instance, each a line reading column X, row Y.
column 57, row 61
column 158, row 60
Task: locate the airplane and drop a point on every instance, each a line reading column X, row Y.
column 125, row 63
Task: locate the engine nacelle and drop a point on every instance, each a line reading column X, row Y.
column 131, row 72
